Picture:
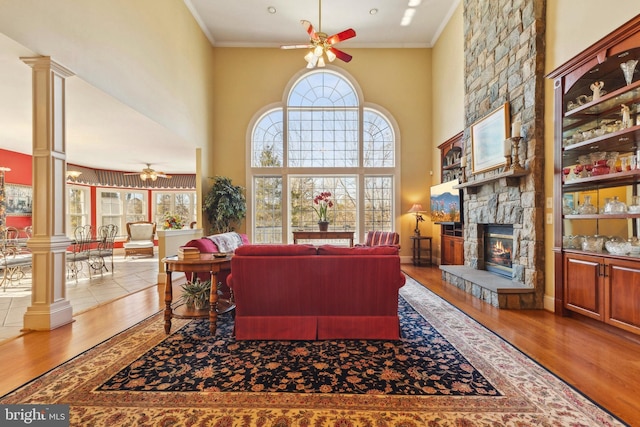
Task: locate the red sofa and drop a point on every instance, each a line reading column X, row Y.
column 300, row 292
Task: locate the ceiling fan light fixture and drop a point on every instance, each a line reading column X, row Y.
column 321, row 61
column 330, row 55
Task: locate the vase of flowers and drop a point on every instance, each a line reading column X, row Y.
column 172, row 222
column 323, row 202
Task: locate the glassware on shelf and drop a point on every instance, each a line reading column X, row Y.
column 635, row 205
column 612, row 160
column 615, row 206
column 566, row 207
column 593, row 243
column 628, row 68
column 587, row 207
column 617, row 248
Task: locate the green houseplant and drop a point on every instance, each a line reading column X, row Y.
column 196, row 294
column 225, row 205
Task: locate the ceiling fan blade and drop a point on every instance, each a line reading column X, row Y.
column 341, row 36
column 340, row 54
column 309, row 28
column 131, row 173
column 296, row 46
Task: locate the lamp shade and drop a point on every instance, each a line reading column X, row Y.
column 416, row 208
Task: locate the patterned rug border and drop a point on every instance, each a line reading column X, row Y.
column 522, row 402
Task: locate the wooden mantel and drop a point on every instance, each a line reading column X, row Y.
column 511, row 179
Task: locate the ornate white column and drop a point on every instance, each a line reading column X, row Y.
column 49, row 307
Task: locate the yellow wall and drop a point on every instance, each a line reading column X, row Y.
column 399, row 80
column 448, row 96
column 153, row 59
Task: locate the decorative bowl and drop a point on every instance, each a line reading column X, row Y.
column 618, row 248
column 221, row 254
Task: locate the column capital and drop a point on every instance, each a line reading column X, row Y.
column 45, row 62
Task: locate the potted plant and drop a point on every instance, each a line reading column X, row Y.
column 196, row 294
column 324, row 202
column 225, row 205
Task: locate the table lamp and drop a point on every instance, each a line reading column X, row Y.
column 417, row 209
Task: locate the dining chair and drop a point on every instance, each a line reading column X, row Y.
column 106, row 237
column 80, row 251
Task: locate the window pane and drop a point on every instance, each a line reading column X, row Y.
column 110, row 203
column 378, row 203
column 323, row 138
column 323, row 88
column 344, row 194
column 268, row 209
column 135, row 207
column 183, row 204
column 379, row 140
column 267, row 140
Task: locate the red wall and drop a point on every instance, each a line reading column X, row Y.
column 21, row 173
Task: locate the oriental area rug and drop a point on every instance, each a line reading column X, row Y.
column 447, row 370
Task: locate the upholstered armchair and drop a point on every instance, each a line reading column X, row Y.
column 140, row 237
column 382, row 238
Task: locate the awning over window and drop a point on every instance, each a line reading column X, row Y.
column 104, row 178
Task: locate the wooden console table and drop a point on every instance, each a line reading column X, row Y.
column 206, row 264
column 322, row 235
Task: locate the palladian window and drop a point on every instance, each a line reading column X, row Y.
column 325, row 138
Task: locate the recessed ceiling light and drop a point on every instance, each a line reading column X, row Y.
column 271, row 10
column 373, row 11
column 408, row 16
column 414, row 3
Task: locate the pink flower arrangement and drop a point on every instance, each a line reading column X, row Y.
column 323, row 200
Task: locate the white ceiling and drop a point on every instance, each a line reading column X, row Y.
column 99, row 128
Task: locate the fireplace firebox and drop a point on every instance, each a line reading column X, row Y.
column 498, row 249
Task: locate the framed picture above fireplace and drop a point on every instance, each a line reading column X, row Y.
column 488, row 137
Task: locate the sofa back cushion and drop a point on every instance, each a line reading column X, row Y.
column 275, row 250
column 357, row 250
column 379, row 238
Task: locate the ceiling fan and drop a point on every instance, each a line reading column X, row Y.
column 321, row 45
column 148, row 173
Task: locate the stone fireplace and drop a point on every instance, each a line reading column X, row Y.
column 504, row 63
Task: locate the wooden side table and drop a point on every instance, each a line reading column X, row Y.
column 207, row 263
column 418, row 249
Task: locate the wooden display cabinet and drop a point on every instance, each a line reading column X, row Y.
column 450, row 156
column 451, row 234
column 592, row 281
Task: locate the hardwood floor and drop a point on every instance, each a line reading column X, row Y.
column 601, row 362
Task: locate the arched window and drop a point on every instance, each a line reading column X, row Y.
column 324, row 138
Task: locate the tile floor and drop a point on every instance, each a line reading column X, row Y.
column 130, row 275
